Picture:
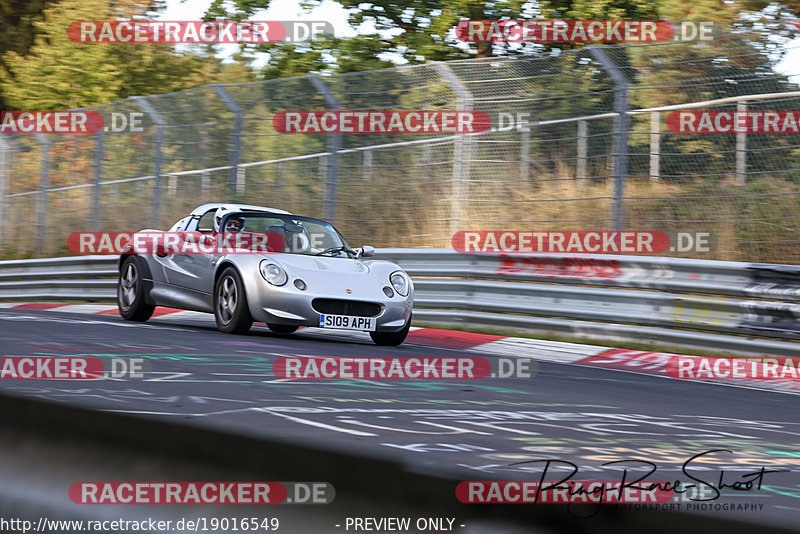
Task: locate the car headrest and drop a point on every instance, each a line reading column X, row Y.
column 281, row 231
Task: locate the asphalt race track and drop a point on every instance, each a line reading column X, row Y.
column 478, row 429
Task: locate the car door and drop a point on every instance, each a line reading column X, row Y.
column 192, row 271
column 156, row 263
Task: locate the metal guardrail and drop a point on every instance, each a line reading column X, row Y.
column 632, row 298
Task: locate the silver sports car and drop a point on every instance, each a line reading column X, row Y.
column 316, row 279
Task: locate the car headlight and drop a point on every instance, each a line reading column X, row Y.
column 400, row 282
column 272, row 273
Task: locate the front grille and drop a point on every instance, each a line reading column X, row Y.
column 346, row 307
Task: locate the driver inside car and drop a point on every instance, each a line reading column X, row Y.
column 234, row 224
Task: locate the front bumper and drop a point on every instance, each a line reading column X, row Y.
column 287, row 305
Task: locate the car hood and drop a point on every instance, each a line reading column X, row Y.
column 298, row 263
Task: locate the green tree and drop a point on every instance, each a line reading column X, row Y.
column 17, row 30
column 330, row 56
column 415, row 31
column 58, row 73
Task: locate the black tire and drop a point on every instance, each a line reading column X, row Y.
column 391, row 339
column 230, row 304
column 282, row 328
column 130, row 292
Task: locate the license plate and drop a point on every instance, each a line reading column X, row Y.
column 347, row 322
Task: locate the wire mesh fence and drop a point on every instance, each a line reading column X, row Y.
column 577, row 167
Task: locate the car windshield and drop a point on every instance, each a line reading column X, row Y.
column 301, row 235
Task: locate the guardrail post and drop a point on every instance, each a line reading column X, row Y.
column 334, row 145
column 157, row 157
column 5, row 160
column 620, row 150
column 741, row 148
column 460, row 149
column 580, row 164
column 655, row 146
column 94, row 217
column 236, row 138
column 44, row 185
column 367, row 165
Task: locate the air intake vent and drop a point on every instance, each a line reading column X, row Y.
column 346, row 307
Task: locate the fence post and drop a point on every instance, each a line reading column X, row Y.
column 94, row 219
column 460, row 149
column 322, row 169
column 44, row 185
column 236, row 139
column 159, row 139
column 367, row 165
column 524, row 154
column 580, row 165
column 655, row 146
column 620, row 147
column 282, row 173
column 427, row 154
column 334, row 145
column 241, row 180
column 205, row 185
column 5, row 157
column 205, row 177
column 741, row 148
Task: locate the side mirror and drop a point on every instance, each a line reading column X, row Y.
column 366, row 251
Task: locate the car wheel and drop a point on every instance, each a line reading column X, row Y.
column 230, row 304
column 391, row 339
column 130, row 292
column 281, row 328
